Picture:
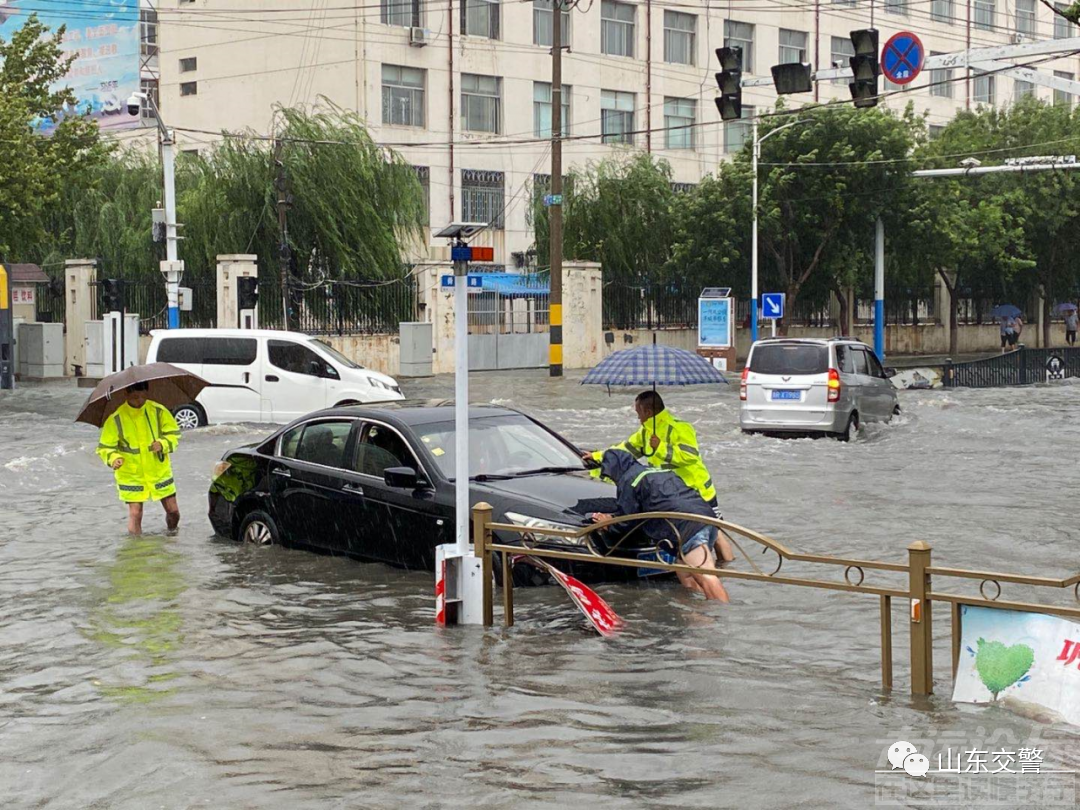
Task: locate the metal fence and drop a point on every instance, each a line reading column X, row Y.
column 662, row 305
column 148, row 299
column 51, row 300
column 510, row 304
column 1020, row 367
column 340, row 307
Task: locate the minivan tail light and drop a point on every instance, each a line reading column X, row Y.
column 834, row 385
column 742, row 383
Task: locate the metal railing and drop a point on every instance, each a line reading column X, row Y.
column 1023, row 366
column 916, row 580
column 662, row 305
column 351, row 307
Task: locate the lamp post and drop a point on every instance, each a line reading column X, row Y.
column 754, row 294
column 172, row 268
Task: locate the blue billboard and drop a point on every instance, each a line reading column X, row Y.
column 715, row 323
column 103, row 35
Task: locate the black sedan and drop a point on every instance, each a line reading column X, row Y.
column 378, row 484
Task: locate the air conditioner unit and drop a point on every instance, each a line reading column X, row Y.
column 1017, row 38
column 419, row 37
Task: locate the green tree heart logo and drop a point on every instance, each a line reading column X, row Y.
column 999, row 667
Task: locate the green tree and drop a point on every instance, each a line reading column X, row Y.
column 35, row 171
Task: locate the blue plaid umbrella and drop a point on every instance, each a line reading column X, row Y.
column 1005, row 311
column 653, row 365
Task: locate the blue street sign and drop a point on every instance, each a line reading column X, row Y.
column 448, row 282
column 772, row 306
column 475, row 282
column 902, row 58
column 461, row 253
column 552, row 199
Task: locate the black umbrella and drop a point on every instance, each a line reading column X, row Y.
column 167, row 385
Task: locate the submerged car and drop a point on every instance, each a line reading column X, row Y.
column 378, row 484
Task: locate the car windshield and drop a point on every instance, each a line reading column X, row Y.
column 790, row 358
column 499, row 445
column 330, row 350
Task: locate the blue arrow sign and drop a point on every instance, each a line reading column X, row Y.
column 772, row 306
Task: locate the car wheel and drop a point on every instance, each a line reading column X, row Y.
column 852, row 429
column 895, row 413
column 259, row 529
column 189, row 417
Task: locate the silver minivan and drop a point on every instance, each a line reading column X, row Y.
column 811, row 385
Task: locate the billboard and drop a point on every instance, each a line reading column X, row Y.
column 104, row 37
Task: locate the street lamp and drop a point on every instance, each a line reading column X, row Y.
column 754, row 248
column 172, row 268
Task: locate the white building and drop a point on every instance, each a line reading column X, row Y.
column 462, row 88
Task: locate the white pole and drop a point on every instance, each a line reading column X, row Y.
column 753, row 246
column 461, row 406
column 879, row 290
column 1015, row 168
column 173, row 269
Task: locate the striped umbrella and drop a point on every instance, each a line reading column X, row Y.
column 653, row 365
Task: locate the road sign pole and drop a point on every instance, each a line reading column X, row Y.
column 753, row 243
column 461, row 406
column 879, row 291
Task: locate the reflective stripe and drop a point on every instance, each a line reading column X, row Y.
column 686, row 448
column 131, row 487
column 167, row 483
column 170, row 433
column 670, row 447
column 643, row 473
column 708, row 485
column 635, row 452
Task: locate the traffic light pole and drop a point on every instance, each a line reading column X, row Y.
column 555, row 346
column 754, row 245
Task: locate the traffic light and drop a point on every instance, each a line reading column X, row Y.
column 792, row 77
column 729, row 80
column 247, row 292
column 112, row 294
column 864, row 64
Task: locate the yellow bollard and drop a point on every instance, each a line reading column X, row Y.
column 481, row 522
column 922, row 637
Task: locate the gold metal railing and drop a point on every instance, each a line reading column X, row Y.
column 917, row 589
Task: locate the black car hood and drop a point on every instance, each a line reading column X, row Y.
column 573, row 495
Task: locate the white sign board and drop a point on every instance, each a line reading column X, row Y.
column 716, row 323
column 1019, row 660
column 23, row 295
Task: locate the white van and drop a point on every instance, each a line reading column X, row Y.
column 265, row 375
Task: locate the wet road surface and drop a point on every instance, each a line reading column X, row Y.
column 193, row 671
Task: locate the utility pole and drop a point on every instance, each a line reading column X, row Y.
column 555, row 358
column 283, row 231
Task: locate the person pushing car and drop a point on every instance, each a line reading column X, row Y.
column 670, row 444
column 136, row 443
column 649, row 489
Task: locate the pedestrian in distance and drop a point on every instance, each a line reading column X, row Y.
column 136, row 443
column 671, row 444
column 650, row 489
column 1006, row 334
column 1017, row 330
column 1071, row 320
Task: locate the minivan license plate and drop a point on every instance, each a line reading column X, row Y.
column 785, row 395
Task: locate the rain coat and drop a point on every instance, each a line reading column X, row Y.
column 128, row 434
column 648, row 489
column 678, row 451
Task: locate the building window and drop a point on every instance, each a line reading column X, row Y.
column 402, row 96
column 1060, row 96
column 542, row 109
column 680, row 115
column 542, row 12
column 896, row 6
column 941, row 83
column 792, row 46
column 1063, row 29
column 683, row 188
column 400, row 12
column 150, row 87
column 616, row 116
column 841, row 51
column 189, row 88
column 935, row 131
column 480, row 18
column 188, row 64
column 736, row 133
column 148, row 22
column 1025, row 17
column 741, row 35
column 1022, row 89
column 480, row 103
column 617, row 28
column 983, row 89
column 843, row 2
column 941, row 10
column 679, row 37
column 423, row 174
column 483, row 197
column 984, row 14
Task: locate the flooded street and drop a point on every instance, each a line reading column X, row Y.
column 194, row 671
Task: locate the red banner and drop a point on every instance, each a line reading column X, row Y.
column 596, row 610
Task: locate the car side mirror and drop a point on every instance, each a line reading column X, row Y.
column 402, row 478
column 890, row 373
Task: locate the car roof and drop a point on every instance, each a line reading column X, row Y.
column 412, row 415
column 810, row 340
column 249, row 333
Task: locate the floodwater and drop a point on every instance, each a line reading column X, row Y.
column 192, row 671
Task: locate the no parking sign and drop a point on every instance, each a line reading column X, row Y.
column 902, row 58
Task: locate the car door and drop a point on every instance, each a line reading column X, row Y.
column 294, row 379
column 313, row 500
column 231, row 365
column 870, row 405
column 884, row 391
column 849, row 378
column 405, row 524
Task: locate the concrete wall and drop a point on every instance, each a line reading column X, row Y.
column 582, row 314
column 377, row 352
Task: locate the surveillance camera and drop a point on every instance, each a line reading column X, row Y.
column 970, row 163
column 135, row 102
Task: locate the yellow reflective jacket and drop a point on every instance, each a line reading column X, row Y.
column 677, row 451
column 128, row 434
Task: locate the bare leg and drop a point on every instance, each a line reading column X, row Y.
column 172, row 512
column 723, row 548
column 688, row 582
column 710, row 586
column 135, row 513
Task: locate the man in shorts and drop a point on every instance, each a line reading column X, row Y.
column 1006, row 334
column 649, row 489
column 1070, row 327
